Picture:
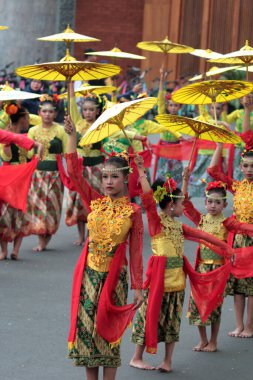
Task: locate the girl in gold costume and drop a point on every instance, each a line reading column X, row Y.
column 99, row 310
column 159, row 317
column 46, row 192
column 241, row 289
column 215, row 223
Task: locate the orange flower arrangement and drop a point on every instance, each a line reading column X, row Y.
column 46, row 97
column 11, row 109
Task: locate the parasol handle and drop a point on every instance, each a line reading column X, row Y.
column 247, row 71
column 193, row 149
column 121, row 126
column 68, row 90
column 214, row 110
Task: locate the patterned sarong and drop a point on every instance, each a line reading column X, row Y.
column 44, row 203
column 169, row 318
column 90, row 349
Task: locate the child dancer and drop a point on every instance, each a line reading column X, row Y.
column 213, row 222
column 163, row 300
column 241, row 289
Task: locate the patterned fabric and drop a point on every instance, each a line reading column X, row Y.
column 169, row 318
column 12, row 222
column 44, row 203
column 174, row 167
column 193, row 313
column 75, row 211
column 243, row 285
column 90, row 349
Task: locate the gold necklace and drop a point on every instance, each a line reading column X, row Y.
column 45, row 136
column 174, row 231
column 105, row 220
column 211, row 224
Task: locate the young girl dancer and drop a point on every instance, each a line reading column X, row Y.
column 241, row 289
column 166, row 263
column 213, row 222
column 99, row 310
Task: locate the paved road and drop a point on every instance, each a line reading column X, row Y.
column 34, row 319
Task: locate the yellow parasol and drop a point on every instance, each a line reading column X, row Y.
column 3, row 27
column 68, row 36
column 214, row 71
column 116, row 53
column 165, row 46
column 212, row 91
column 86, row 89
column 198, row 129
column 116, row 118
column 68, row 69
column 206, row 53
column 242, row 56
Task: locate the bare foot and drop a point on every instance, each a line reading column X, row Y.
column 236, row 332
column 78, row 242
column 43, row 242
column 38, row 248
column 140, row 364
column 210, row 347
column 3, row 256
column 164, row 367
column 200, row 346
column 246, row 333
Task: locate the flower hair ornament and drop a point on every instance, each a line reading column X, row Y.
column 47, row 98
column 11, row 109
column 245, row 151
column 123, row 155
column 214, row 186
column 166, row 190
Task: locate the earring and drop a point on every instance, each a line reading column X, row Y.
column 125, row 182
column 172, row 209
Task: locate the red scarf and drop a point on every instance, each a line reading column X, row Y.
column 207, row 288
column 15, row 181
column 111, row 320
column 66, row 180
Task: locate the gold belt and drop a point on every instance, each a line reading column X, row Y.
column 212, row 262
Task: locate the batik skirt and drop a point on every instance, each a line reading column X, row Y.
column 243, row 285
column 90, row 349
column 169, row 318
column 44, row 203
column 13, row 223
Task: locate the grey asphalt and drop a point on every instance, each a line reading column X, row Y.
column 34, row 320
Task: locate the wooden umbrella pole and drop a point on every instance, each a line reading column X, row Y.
column 68, row 90
column 247, row 71
column 193, row 149
column 122, row 128
column 214, row 110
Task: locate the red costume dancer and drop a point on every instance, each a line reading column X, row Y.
column 213, row 222
column 159, row 318
column 13, row 220
column 99, row 314
column 240, row 288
